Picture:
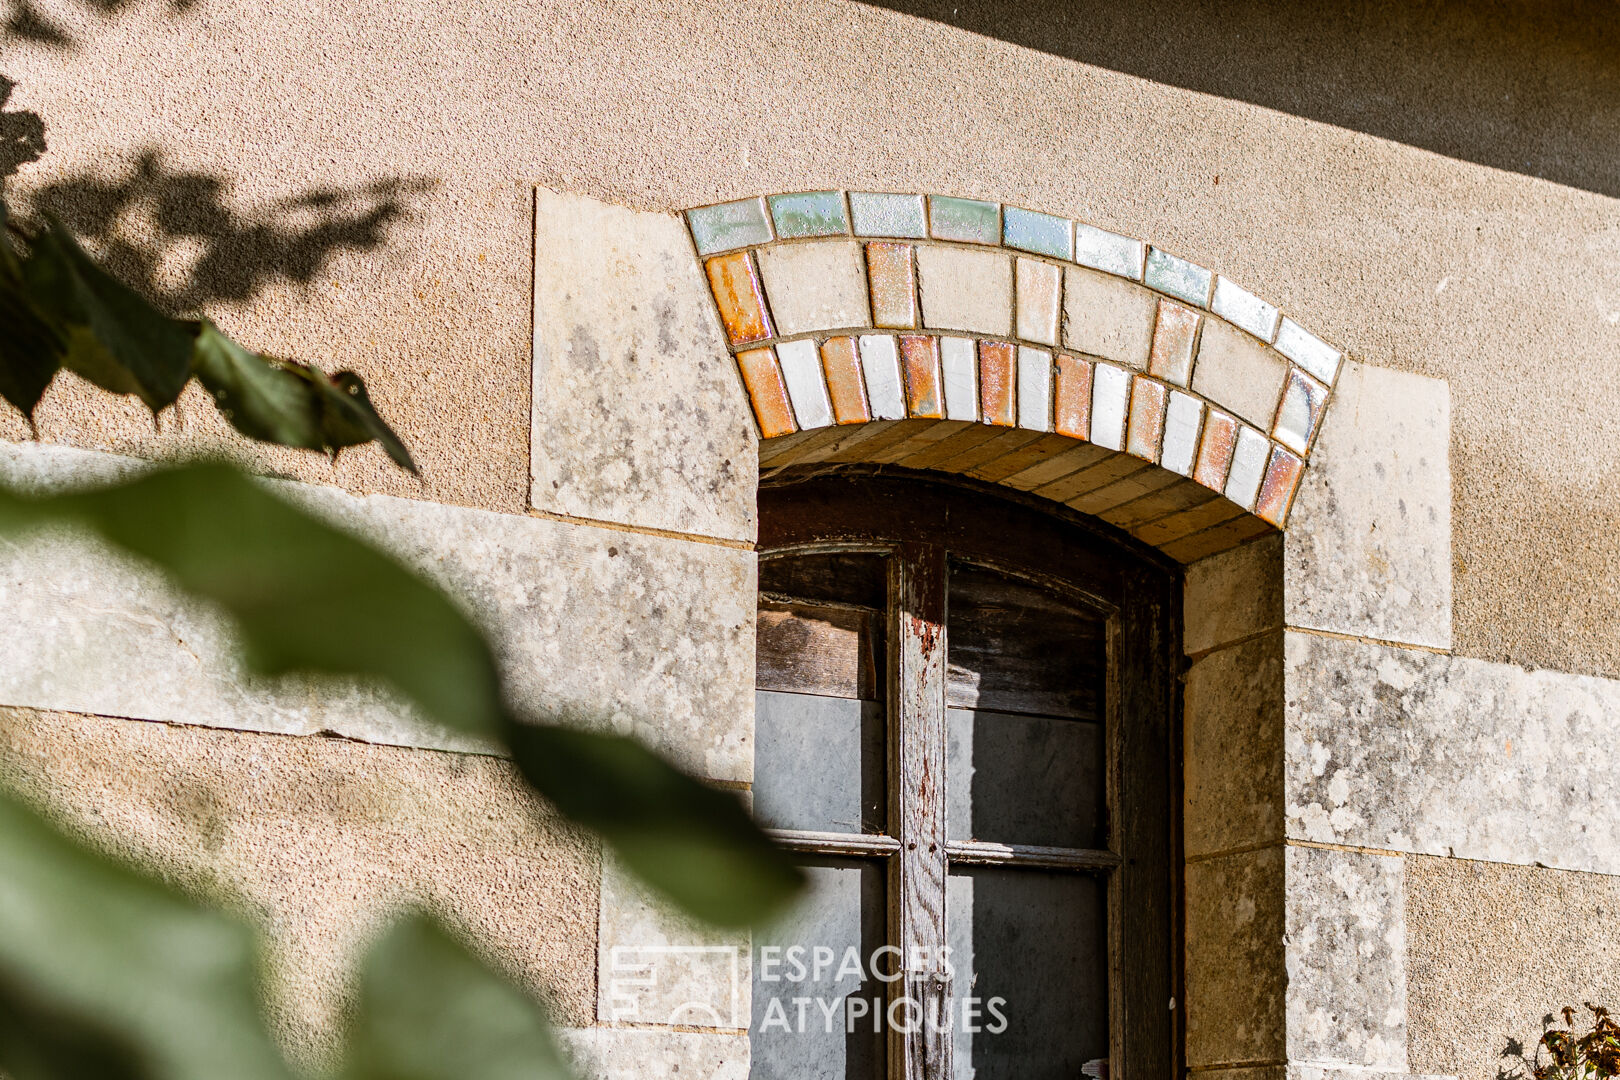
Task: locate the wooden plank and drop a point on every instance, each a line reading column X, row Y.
column 917, row 749
column 1139, row 483
column 926, row 439
column 834, row 843
column 1207, row 515
column 1006, row 440
column 1079, row 456
column 960, row 442
column 891, row 432
column 826, row 651
column 1182, row 495
column 1047, row 446
column 1218, row 539
column 1117, row 467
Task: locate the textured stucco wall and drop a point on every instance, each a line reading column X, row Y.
column 319, row 839
column 1491, row 279
column 1494, row 949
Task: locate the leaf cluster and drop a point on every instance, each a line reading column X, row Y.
column 62, row 310
column 1568, row 1054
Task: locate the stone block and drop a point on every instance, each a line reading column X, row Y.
column 1040, row 288
column 636, row 1054
column 1407, row 750
column 1369, row 538
column 816, row 285
column 638, row 415
column 1239, row 374
column 657, row 966
column 1346, row 949
column 1108, row 317
column 1233, row 595
column 1235, row 975
column 643, row 635
column 966, row 290
column 1233, row 759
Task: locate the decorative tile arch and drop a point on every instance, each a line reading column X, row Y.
column 1017, row 347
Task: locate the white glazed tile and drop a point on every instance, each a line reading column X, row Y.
column 1308, row 351
column 1302, row 403
column 1182, row 421
column 1034, row 389
column 1248, row 467
column 1242, row 308
column 880, row 362
column 806, row 383
column 960, row 360
column 1110, row 395
column 1110, row 252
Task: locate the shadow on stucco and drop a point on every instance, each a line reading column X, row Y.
column 172, row 233
column 1528, row 86
column 26, row 22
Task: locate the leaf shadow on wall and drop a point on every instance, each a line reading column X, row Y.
column 172, row 233
column 25, row 22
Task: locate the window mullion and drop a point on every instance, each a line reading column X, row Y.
column 917, row 739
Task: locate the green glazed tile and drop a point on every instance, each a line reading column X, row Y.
column 809, row 213
column 964, row 219
column 1178, row 277
column 729, row 225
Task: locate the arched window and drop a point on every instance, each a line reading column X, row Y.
column 964, row 725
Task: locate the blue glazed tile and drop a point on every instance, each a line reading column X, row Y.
column 809, row 213
column 1040, row 233
column 729, row 225
column 879, row 213
column 968, row 220
column 1178, row 277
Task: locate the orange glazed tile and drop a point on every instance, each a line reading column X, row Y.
column 893, row 277
column 738, row 296
column 1215, row 452
column 1073, row 406
column 763, row 377
column 997, row 372
column 1277, row 489
column 925, row 395
column 1147, row 419
column 1174, row 335
column 841, row 361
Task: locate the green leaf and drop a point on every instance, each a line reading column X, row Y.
column 427, row 1010
column 261, row 399
column 30, row 348
column 305, row 596
column 107, row 975
column 350, row 419
column 115, row 338
column 308, row 597
column 694, row 843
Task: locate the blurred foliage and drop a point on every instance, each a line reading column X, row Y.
column 107, row 973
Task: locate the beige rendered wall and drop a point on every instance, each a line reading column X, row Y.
column 353, row 184
column 1490, row 279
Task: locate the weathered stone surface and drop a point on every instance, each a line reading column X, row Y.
column 1232, row 595
column 1369, row 538
column 1104, row 316
column 1239, row 374
column 631, row 1054
column 1233, row 764
column 1235, row 974
column 656, row 966
column 638, row 634
column 966, row 290
column 319, row 840
column 1408, row 750
column 816, row 285
column 638, row 415
column 1346, row 950
column 1492, row 949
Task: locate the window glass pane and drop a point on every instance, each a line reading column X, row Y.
column 819, row 733
column 1030, row 962
column 1013, row 779
column 818, row 763
column 1016, row 647
column 817, row 1009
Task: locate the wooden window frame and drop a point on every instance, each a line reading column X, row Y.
column 921, row 521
